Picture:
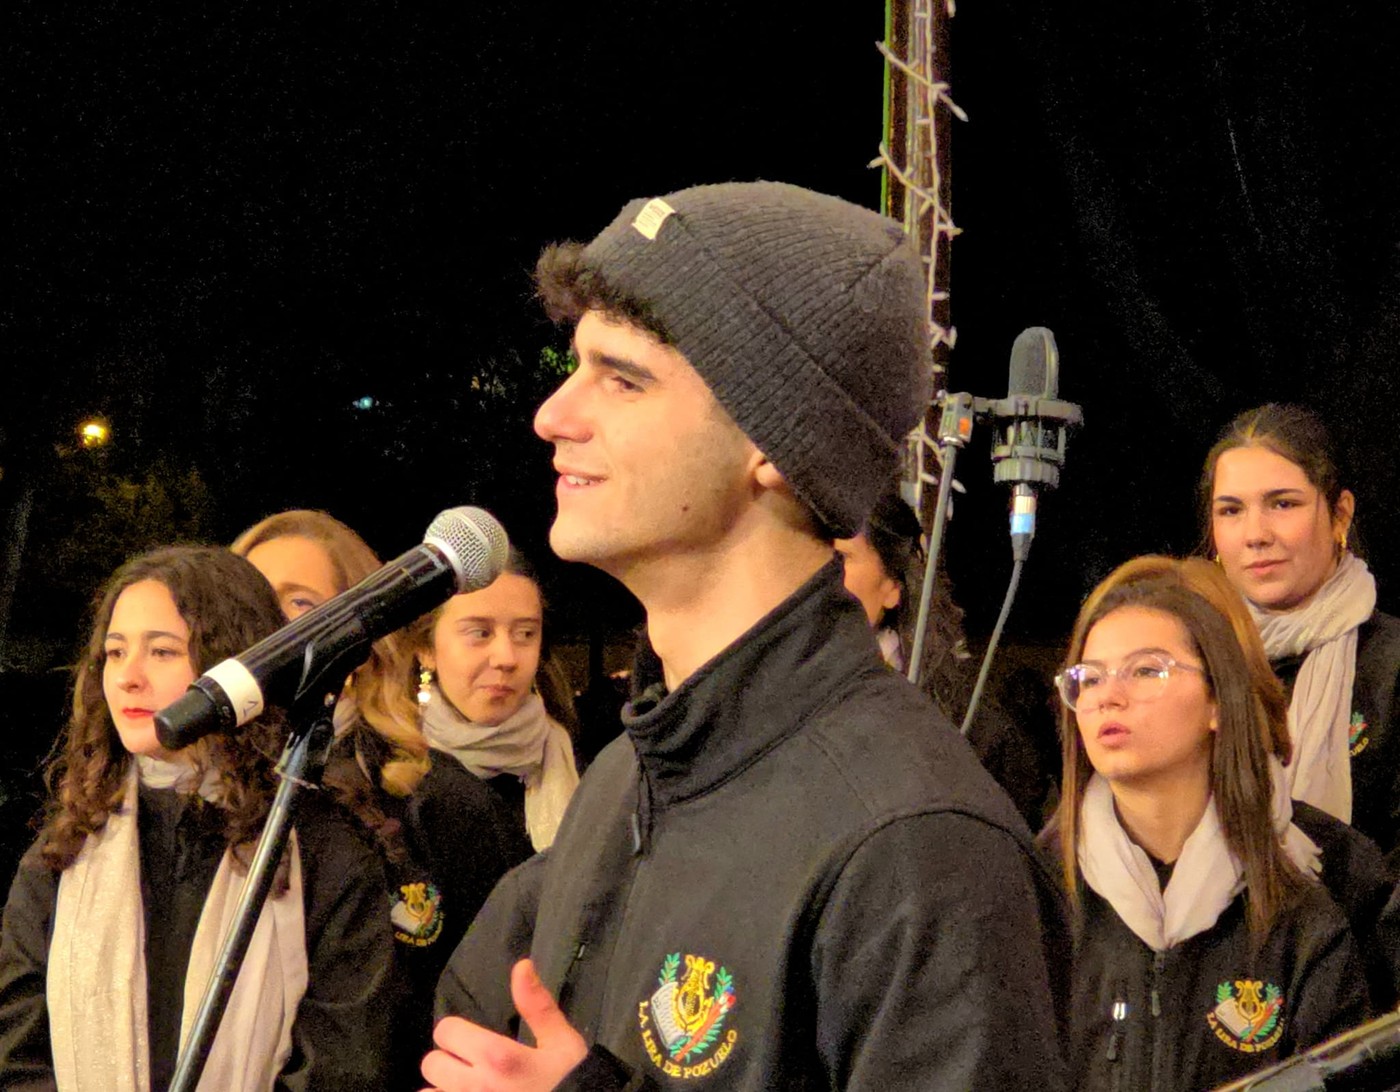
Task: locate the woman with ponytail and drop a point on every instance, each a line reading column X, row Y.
column 1280, row 524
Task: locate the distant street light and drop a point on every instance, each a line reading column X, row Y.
column 94, row 433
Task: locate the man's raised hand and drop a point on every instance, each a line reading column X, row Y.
column 470, row 1058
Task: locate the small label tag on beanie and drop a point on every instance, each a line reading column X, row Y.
column 652, row 216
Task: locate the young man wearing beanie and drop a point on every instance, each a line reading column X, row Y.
column 789, row 871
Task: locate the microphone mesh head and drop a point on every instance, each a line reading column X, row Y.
column 474, row 542
column 1035, row 364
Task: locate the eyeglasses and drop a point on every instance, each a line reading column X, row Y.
column 1143, row 677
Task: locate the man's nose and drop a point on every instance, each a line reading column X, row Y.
column 560, row 416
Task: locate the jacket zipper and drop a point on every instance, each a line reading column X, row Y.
column 640, row 824
column 1159, row 962
column 1119, row 1013
column 641, row 815
column 1115, row 1038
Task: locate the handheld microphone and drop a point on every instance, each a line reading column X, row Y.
column 464, row 550
column 1030, row 445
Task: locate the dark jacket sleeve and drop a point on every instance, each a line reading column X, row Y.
column 476, row 982
column 1355, row 875
column 26, row 1061
column 340, row 1040
column 932, row 966
column 601, row 1071
column 1375, row 764
column 1383, row 690
column 1331, row 986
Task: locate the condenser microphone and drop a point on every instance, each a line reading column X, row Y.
column 464, row 550
column 1029, row 448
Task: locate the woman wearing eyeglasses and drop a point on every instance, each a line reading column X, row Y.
column 1205, row 946
column 1279, row 523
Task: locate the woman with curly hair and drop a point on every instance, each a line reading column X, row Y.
column 117, row 913
column 1206, row 946
column 444, row 836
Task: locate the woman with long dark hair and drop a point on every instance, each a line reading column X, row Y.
column 1205, row 945
column 1279, row 521
column 118, row 911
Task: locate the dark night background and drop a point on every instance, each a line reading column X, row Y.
column 227, row 225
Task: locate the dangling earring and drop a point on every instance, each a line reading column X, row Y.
column 1343, row 543
column 1217, row 560
column 425, row 685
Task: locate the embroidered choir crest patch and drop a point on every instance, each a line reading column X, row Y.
column 1358, row 738
column 1248, row 1015
column 416, row 914
column 682, row 1022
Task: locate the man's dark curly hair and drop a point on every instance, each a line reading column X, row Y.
column 568, row 286
column 228, row 606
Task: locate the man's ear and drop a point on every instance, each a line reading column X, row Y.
column 775, row 492
column 766, row 475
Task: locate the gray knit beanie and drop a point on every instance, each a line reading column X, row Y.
column 803, row 313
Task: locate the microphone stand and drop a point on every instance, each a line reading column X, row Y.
column 1021, row 458
column 300, row 767
column 954, row 430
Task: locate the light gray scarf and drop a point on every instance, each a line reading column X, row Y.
column 1319, row 716
column 96, row 985
column 527, row 744
column 1204, row 881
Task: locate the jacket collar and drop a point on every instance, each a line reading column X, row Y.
column 755, row 693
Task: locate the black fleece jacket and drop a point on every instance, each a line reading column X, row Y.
column 1144, row 1021
column 789, row 873
column 340, row 1039
column 446, row 846
column 1375, row 742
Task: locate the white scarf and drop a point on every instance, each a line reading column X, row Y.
column 527, row 744
column 161, row 773
column 1319, row 715
column 96, row 989
column 891, row 649
column 1204, row 881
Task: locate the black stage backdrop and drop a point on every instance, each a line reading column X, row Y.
column 1200, row 200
